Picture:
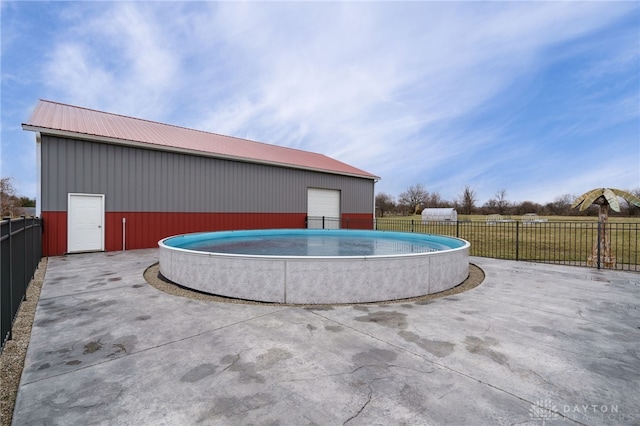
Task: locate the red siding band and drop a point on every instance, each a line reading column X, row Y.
column 145, row 229
column 357, row 221
column 54, row 233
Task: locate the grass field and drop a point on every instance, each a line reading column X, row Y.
column 483, row 218
column 561, row 239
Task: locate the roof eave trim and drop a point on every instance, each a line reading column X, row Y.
column 155, row 147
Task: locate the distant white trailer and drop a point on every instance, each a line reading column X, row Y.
column 530, row 218
column 493, row 219
column 439, row 215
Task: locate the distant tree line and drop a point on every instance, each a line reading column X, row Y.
column 416, row 198
column 11, row 204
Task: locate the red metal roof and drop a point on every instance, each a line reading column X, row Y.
column 68, row 120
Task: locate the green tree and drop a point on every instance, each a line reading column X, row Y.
column 7, row 197
column 26, row 202
column 468, row 200
column 561, row 205
column 414, row 197
column 526, row 207
column 501, row 201
column 498, row 205
column 10, row 204
column 385, row 203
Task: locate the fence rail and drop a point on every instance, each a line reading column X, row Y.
column 20, row 254
column 566, row 243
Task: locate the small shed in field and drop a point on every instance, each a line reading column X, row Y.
column 439, row 215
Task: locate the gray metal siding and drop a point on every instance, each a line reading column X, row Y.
column 142, row 180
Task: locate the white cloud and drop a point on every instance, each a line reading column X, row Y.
column 357, row 73
column 388, row 87
column 118, row 60
column 73, row 72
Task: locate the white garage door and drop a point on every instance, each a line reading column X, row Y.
column 323, row 207
column 85, row 223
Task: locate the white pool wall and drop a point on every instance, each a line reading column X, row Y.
column 316, row 280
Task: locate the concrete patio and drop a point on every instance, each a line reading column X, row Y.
column 532, row 344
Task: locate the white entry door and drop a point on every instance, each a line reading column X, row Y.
column 323, row 203
column 85, row 223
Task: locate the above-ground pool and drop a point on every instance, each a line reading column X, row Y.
column 304, row 266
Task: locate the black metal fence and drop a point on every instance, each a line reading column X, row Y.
column 20, row 254
column 577, row 243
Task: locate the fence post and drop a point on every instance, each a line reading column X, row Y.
column 599, row 243
column 517, row 240
column 10, row 281
column 34, row 241
column 322, row 222
column 25, row 259
column 457, row 229
column 411, row 225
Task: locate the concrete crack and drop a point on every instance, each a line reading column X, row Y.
column 445, row 394
column 232, row 364
column 361, row 408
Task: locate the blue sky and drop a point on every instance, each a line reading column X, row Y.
column 540, row 99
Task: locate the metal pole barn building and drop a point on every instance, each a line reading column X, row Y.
column 109, row 182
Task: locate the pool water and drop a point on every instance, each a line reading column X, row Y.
column 303, row 242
